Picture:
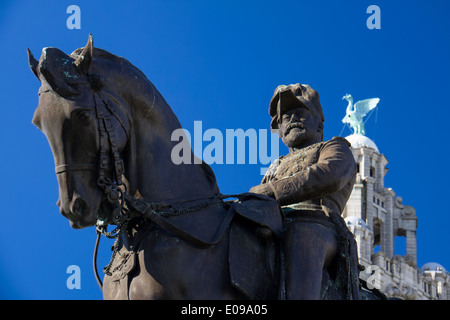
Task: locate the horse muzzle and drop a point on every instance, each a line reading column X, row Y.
column 79, row 213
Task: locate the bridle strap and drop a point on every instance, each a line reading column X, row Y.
column 107, row 135
column 75, row 167
column 110, row 187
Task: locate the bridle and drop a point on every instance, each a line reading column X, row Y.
column 125, row 206
column 109, row 161
column 109, row 157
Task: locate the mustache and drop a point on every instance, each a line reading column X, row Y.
column 292, row 125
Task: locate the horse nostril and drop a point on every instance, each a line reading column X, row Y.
column 79, row 207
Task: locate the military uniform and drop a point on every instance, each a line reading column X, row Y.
column 312, row 185
column 318, row 178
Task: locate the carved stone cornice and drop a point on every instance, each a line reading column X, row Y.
column 401, row 291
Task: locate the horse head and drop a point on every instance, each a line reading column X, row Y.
column 108, row 127
column 68, row 115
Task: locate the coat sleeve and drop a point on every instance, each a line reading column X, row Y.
column 334, row 169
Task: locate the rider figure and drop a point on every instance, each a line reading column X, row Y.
column 312, row 184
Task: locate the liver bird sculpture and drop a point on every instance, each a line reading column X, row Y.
column 355, row 113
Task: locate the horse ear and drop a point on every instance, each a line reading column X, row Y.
column 84, row 59
column 33, row 63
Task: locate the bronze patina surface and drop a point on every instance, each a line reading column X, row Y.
column 312, row 184
column 110, row 130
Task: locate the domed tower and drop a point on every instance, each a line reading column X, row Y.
column 436, row 275
column 383, row 213
column 385, row 228
column 379, row 219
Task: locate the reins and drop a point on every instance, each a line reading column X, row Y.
column 94, row 260
column 138, row 208
column 127, row 207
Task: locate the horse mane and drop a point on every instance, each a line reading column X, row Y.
column 106, row 55
column 123, row 63
column 125, row 68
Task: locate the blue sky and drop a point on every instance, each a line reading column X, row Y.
column 218, row 62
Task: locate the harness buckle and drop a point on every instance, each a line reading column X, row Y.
column 139, row 205
column 103, row 161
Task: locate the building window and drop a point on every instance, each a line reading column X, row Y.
column 372, row 172
column 427, row 287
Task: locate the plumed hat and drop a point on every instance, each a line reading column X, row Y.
column 293, row 96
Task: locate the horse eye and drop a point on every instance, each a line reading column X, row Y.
column 83, row 115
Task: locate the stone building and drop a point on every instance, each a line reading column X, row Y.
column 378, row 217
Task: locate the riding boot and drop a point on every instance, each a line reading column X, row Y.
column 308, row 249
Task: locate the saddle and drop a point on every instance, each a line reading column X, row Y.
column 254, row 224
column 254, row 251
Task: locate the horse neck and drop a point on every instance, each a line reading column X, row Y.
column 152, row 173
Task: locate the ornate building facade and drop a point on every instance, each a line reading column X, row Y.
column 378, row 217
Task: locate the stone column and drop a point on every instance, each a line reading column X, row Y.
column 411, row 245
column 389, row 195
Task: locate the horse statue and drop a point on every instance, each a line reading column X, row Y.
column 177, row 237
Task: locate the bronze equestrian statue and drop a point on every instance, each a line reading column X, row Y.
column 177, row 237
